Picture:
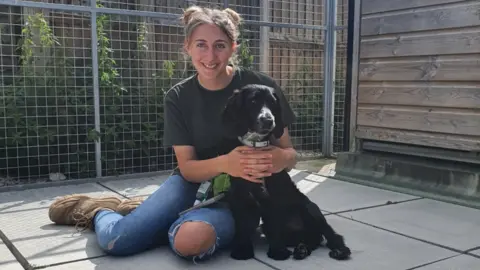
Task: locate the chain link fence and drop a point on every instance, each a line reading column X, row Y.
column 340, row 97
column 83, row 83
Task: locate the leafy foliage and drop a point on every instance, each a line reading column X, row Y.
column 48, row 111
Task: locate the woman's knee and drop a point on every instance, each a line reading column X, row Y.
column 194, row 238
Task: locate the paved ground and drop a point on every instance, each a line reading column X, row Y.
column 384, row 229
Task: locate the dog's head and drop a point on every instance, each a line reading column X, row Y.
column 255, row 110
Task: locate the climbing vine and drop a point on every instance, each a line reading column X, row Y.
column 48, row 109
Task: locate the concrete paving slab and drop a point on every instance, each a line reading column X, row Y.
column 460, row 262
column 331, row 195
column 7, row 260
column 371, row 249
column 335, row 196
column 34, row 199
column 161, row 258
column 24, row 220
column 146, row 186
column 136, row 187
column 434, row 221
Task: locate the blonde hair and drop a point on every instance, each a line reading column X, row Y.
column 227, row 20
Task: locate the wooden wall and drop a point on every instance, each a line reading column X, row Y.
column 419, row 73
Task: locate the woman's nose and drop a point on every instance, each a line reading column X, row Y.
column 210, row 53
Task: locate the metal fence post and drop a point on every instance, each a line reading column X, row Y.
column 329, row 76
column 264, row 39
column 96, row 90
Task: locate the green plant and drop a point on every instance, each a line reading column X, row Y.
column 41, row 128
column 307, row 103
column 48, row 110
column 244, row 57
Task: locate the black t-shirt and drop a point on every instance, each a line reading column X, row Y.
column 192, row 113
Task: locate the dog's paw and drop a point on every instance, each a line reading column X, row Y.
column 242, row 253
column 301, row 252
column 279, row 254
column 342, row 253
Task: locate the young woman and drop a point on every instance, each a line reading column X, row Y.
column 192, row 124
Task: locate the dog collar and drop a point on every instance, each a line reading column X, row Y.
column 254, row 143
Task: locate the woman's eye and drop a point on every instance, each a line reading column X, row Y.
column 220, row 46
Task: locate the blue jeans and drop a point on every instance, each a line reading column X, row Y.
column 156, row 221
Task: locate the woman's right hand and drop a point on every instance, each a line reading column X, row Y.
column 258, row 164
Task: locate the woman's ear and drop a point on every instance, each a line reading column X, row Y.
column 186, row 47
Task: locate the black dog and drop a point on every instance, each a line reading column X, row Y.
column 253, row 117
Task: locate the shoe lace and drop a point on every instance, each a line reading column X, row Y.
column 82, row 221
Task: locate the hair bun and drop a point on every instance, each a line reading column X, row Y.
column 234, row 16
column 188, row 13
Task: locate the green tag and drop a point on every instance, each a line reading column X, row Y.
column 221, row 184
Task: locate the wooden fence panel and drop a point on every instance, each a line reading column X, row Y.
column 419, row 73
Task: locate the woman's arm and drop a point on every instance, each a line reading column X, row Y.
column 197, row 170
column 289, row 154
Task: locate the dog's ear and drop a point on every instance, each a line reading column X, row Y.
column 277, row 111
column 232, row 116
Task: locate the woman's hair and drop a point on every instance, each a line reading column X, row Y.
column 227, row 20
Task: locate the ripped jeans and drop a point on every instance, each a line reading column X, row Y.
column 156, row 221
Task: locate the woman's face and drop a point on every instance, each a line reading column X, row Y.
column 210, row 49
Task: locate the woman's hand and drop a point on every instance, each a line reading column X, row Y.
column 248, row 163
column 279, row 158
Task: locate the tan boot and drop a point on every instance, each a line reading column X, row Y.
column 128, row 205
column 79, row 210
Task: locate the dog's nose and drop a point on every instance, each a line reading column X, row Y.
column 266, row 122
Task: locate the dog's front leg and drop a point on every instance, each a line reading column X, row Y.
column 242, row 245
column 274, row 223
column 246, row 219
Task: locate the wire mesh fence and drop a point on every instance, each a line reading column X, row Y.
column 340, row 76
column 71, row 108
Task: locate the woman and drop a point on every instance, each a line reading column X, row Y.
column 192, row 124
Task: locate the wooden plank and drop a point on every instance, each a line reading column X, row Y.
column 302, row 7
column 294, row 38
column 293, row 16
column 277, row 15
column 437, row 43
column 452, row 16
column 460, row 122
column 446, row 68
column 285, row 13
column 376, row 6
column 276, row 65
column 284, row 61
column 441, row 140
column 421, row 94
column 310, row 19
column 342, row 13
